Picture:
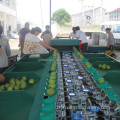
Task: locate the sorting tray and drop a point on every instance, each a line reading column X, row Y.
column 115, row 66
column 16, row 105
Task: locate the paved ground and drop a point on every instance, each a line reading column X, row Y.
column 15, row 49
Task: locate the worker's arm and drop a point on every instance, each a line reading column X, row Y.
column 2, row 78
column 47, row 46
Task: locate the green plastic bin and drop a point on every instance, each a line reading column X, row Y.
column 92, row 60
column 36, row 67
column 94, row 55
column 113, row 78
column 115, row 66
column 29, row 60
column 16, row 105
column 42, row 56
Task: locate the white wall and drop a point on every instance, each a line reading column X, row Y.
column 7, row 15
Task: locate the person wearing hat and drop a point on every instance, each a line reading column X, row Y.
column 73, row 34
column 47, row 35
column 33, row 44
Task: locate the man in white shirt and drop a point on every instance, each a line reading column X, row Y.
column 81, row 36
column 73, row 34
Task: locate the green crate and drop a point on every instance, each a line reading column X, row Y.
column 31, row 89
column 29, row 60
column 97, row 49
column 92, row 60
column 36, row 67
column 115, row 66
column 16, row 105
column 93, row 55
column 113, row 78
column 64, row 42
column 42, row 56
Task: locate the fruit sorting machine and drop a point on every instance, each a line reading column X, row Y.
column 79, row 97
column 68, row 86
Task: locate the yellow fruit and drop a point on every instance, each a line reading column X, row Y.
column 50, row 92
column 101, row 80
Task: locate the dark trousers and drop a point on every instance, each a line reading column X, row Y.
column 22, row 54
column 111, row 48
column 84, row 47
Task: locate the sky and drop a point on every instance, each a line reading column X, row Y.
column 37, row 11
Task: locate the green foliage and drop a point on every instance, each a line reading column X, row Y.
column 66, row 25
column 61, row 17
column 94, row 26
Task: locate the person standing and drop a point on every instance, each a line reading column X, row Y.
column 73, row 34
column 4, row 52
column 22, row 35
column 110, row 39
column 47, row 35
column 81, row 36
column 33, row 44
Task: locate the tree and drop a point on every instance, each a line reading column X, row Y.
column 61, row 17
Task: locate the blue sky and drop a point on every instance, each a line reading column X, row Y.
column 30, row 9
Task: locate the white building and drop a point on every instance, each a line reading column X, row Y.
column 114, row 15
column 8, row 15
column 90, row 17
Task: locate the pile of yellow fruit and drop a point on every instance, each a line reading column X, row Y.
column 55, row 55
column 88, row 65
column 104, row 67
column 52, row 84
column 54, row 65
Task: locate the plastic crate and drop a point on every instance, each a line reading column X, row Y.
column 16, row 105
column 42, row 56
column 115, row 66
column 28, row 67
column 113, row 78
column 12, row 60
column 93, row 55
column 92, row 60
column 29, row 60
